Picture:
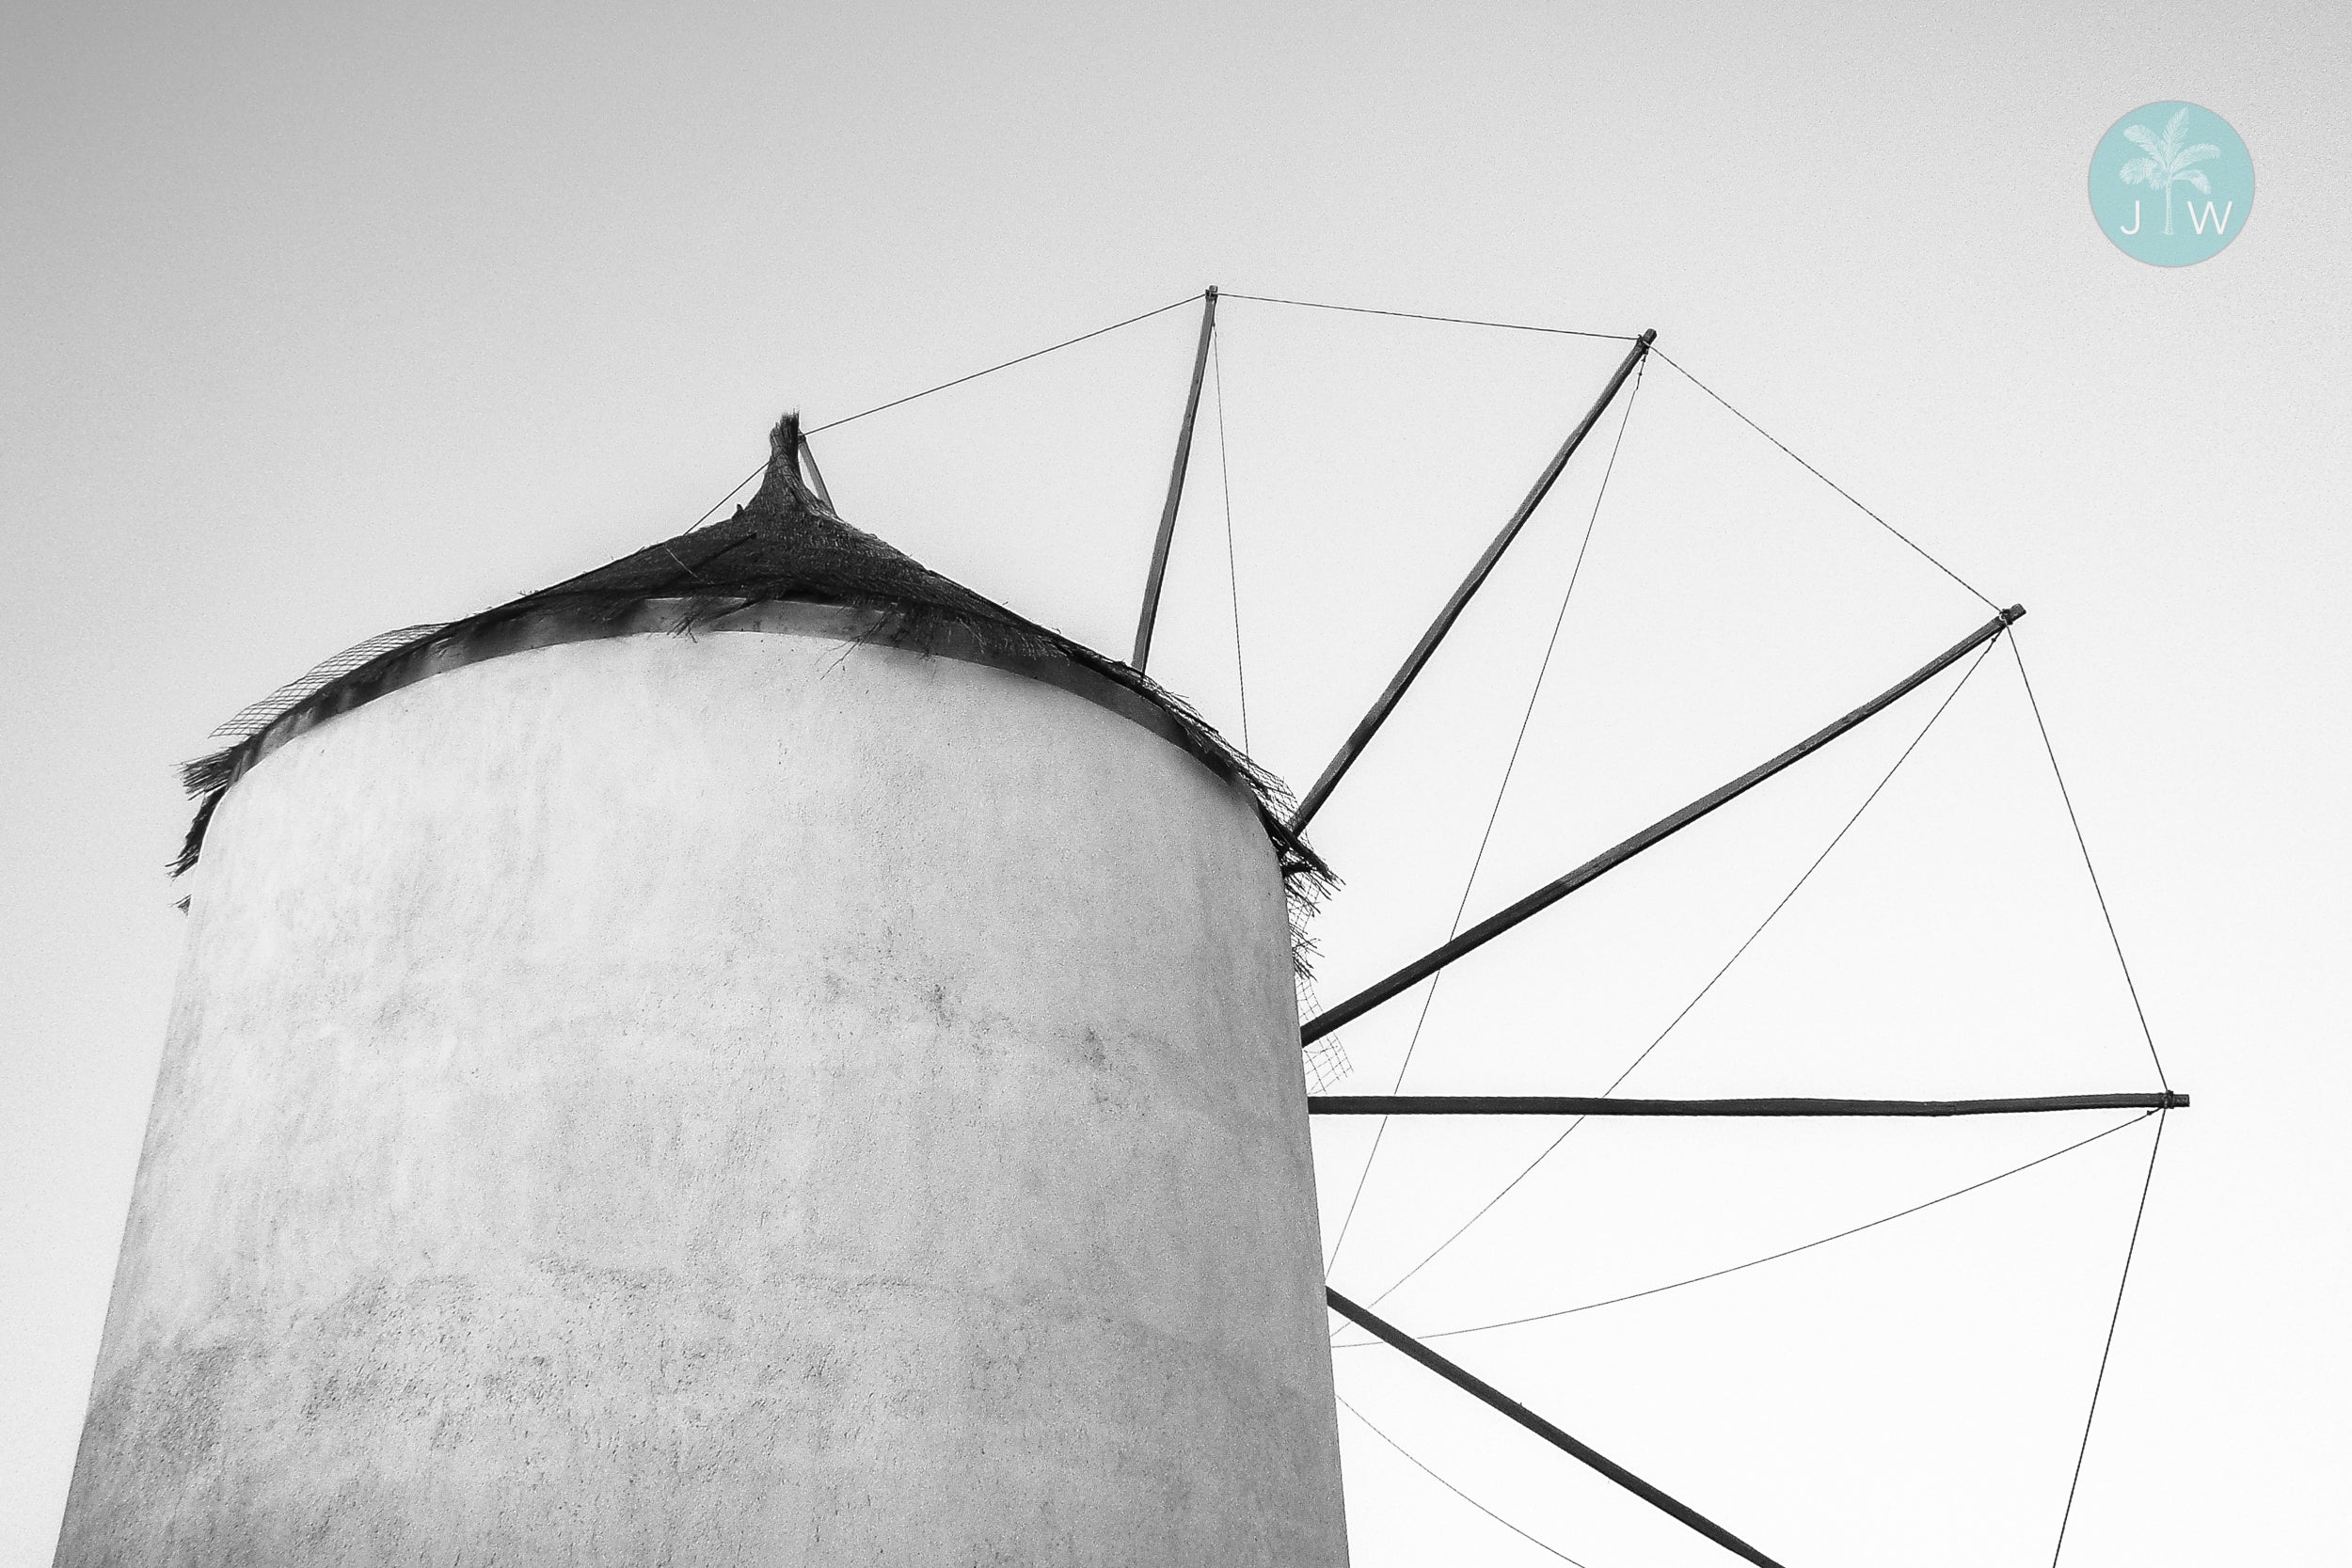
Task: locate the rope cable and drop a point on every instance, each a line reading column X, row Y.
column 1449, row 1485
column 1772, row 1256
column 941, row 387
column 2109, row 1349
column 1494, row 813
column 1615, row 1084
column 1232, row 567
column 2083, row 844
column 1626, row 338
column 1418, row 316
column 1914, row 543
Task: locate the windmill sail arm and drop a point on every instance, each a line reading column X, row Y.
column 1377, row 715
column 1149, row 615
column 1589, row 1105
column 1664, row 827
column 1479, row 1388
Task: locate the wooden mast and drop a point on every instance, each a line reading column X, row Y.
column 1487, row 1393
column 816, row 480
column 1175, row 485
column 1590, row 1106
column 1370, row 725
column 1609, row 860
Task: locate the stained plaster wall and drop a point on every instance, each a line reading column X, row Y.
column 737, row 1099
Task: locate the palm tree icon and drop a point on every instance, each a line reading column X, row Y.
column 2168, row 161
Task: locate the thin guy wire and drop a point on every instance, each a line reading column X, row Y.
column 943, row 387
column 1509, row 768
column 1769, row 1257
column 2108, row 1349
column 2113, row 939
column 1957, row 687
column 1457, row 321
column 1831, row 482
column 1232, row 567
column 729, row 497
column 1449, row 1485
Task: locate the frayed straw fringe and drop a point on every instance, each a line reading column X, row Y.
column 803, row 552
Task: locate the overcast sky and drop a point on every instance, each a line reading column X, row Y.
column 321, row 321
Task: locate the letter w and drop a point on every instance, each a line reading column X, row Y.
column 2221, row 225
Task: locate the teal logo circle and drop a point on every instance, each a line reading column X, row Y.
column 2171, row 183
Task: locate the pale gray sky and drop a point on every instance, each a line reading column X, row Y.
column 321, row 321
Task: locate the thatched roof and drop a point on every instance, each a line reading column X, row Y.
column 786, row 544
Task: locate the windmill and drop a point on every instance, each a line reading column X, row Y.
column 758, row 1048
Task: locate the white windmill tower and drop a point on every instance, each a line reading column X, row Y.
column 752, row 1055
column 758, row 1053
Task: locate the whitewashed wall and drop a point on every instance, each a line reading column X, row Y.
column 737, row 1099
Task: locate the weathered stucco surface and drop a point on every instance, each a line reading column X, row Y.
column 723, row 1100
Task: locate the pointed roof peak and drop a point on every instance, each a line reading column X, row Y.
column 783, row 488
column 786, row 543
